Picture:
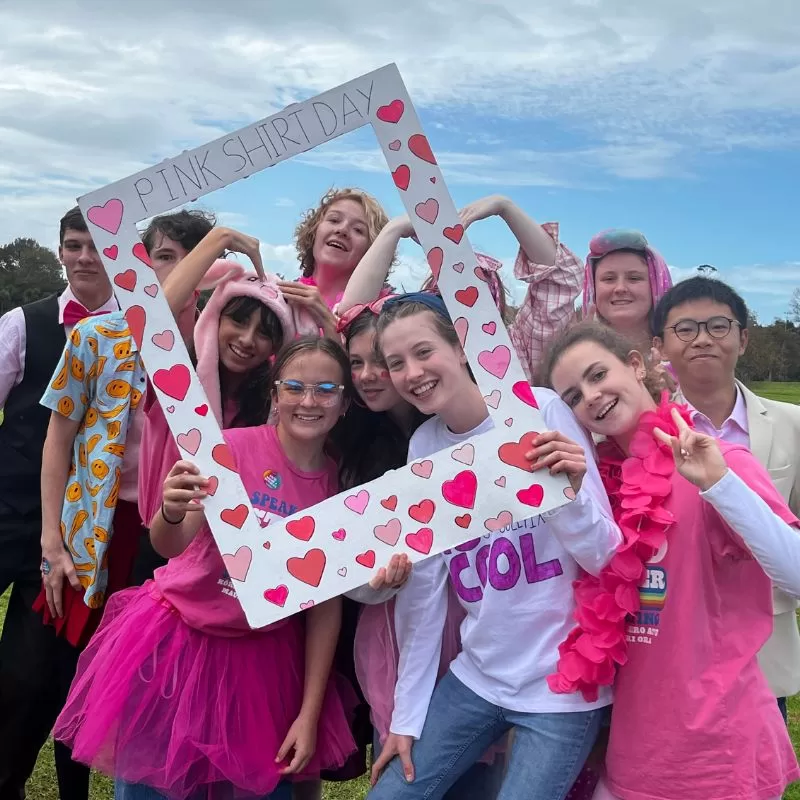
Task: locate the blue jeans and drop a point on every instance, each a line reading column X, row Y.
column 546, row 756
column 138, row 791
column 784, row 710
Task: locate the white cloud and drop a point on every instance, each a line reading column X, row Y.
column 285, row 202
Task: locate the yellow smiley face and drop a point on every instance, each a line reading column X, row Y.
column 118, row 388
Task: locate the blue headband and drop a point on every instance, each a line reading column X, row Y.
column 428, row 299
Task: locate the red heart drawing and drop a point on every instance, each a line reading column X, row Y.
column 366, row 559
column 422, row 469
column 422, row 511
column 390, row 502
column 388, row 533
column 190, row 441
column 140, row 251
column 108, row 216
column 421, row 541
column 433, row 179
column 467, row 297
column 513, row 453
column 136, row 317
column 392, row 112
column 277, row 596
column 309, row 568
column 523, row 391
column 402, row 177
column 495, row 361
column 339, row 535
column 212, row 484
column 235, row 516
column 464, row 521
column 532, row 496
column 164, row 340
column 461, row 491
column 302, row 528
column 435, row 259
column 222, row 455
column 266, row 545
column 201, row 410
column 454, row 234
column 428, row 211
column 489, row 327
column 173, row 381
column 111, row 252
column 126, row 280
column 420, row 147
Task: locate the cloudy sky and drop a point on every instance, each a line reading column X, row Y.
column 677, row 117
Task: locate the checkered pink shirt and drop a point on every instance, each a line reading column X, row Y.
column 549, row 305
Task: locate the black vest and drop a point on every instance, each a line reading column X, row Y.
column 24, row 428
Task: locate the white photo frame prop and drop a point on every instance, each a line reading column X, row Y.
column 423, row 509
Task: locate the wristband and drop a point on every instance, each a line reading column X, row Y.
column 167, row 519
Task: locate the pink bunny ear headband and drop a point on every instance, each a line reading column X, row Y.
column 231, row 281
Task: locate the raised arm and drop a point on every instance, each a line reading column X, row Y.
column 181, row 514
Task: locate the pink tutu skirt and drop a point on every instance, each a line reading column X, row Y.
column 159, row 703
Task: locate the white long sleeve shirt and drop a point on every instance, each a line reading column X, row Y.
column 516, row 587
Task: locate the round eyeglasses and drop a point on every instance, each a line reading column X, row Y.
column 324, row 394
column 687, row 330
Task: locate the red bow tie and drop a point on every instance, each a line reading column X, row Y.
column 74, row 312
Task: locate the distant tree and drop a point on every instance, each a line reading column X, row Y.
column 28, row 272
column 794, row 305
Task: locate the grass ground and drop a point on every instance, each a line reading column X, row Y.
column 42, row 785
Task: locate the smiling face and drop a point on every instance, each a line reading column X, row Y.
column 370, row 374
column 244, row 344
column 312, row 417
column 707, row 359
column 342, row 236
column 606, row 395
column 85, row 271
column 622, row 290
column 426, row 369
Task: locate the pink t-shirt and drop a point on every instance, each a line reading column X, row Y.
column 157, row 456
column 196, row 583
column 693, row 715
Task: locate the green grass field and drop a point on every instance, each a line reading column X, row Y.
column 42, row 785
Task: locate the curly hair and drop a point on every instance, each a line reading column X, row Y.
column 307, row 228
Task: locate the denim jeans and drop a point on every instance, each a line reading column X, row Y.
column 546, row 756
column 138, row 791
column 784, row 710
column 480, row 782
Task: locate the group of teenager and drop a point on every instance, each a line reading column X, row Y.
column 639, row 642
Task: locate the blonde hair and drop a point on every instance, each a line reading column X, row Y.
column 306, row 231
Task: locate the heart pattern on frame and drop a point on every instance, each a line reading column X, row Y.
column 421, row 509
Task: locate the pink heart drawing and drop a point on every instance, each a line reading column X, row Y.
column 151, row 290
column 432, row 179
column 395, row 145
column 190, row 441
column 464, row 455
column 458, row 267
column 305, row 606
column 339, row 535
column 461, row 491
column 342, row 572
column 569, row 493
column 108, row 216
column 489, row 327
column 462, row 326
column 111, row 252
column 392, row 112
column 493, row 399
column 523, row 391
column 495, row 361
column 421, row 541
column 277, row 596
column 171, row 409
column 422, row 469
column 532, row 496
column 428, row 211
column 173, row 381
column 509, row 422
column 502, row 520
column 501, row 481
column 164, row 340
column 388, row 533
column 357, row 502
column 238, row 565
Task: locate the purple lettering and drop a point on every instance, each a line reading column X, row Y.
column 534, row 571
column 470, row 594
column 467, row 546
column 503, row 581
column 481, row 558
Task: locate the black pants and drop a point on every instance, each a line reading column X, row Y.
column 36, row 669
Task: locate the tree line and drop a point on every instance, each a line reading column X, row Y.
column 29, row 271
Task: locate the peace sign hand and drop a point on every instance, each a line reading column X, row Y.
column 697, row 456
